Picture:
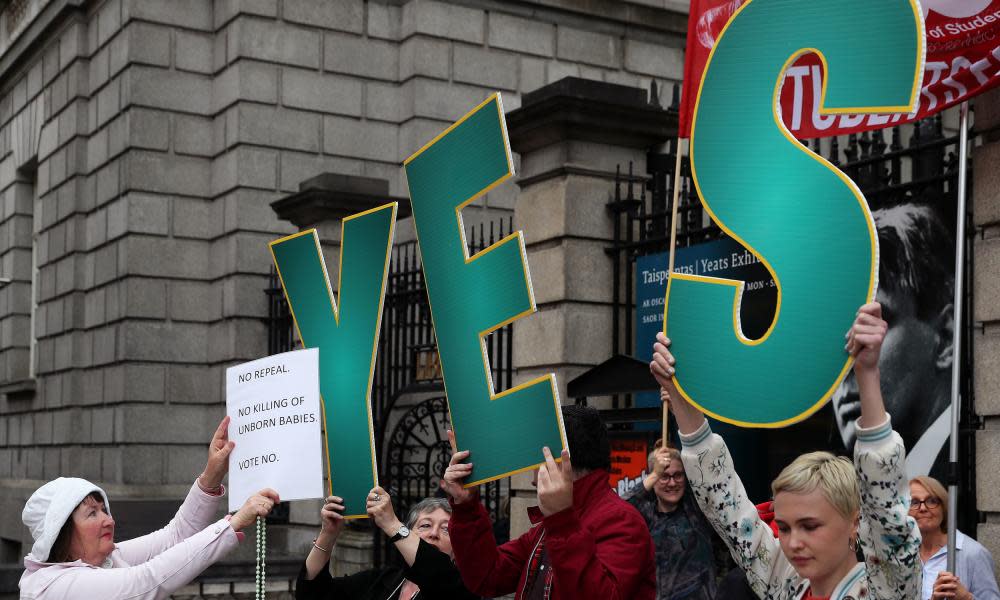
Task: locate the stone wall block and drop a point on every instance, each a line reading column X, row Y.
column 343, row 15
column 194, row 136
column 190, row 14
column 143, row 128
column 363, row 139
column 102, row 429
column 83, row 462
column 164, row 257
column 422, row 55
column 72, row 44
column 532, row 74
column 227, row 10
column 197, row 218
column 654, row 59
column 355, row 55
column 193, row 51
column 986, row 183
column 987, row 110
column 195, row 384
column 148, row 44
column 99, row 70
column 195, row 301
column 164, row 342
column 987, row 470
column 170, row 90
column 105, row 345
column 321, row 92
column 285, row 128
column 529, row 36
column 247, row 80
column 383, row 20
column 443, row 19
column 147, row 213
column 386, row 102
column 490, row 68
column 987, row 376
column 241, row 296
column 43, row 428
column 273, row 42
column 296, row 167
column 246, row 167
column 987, row 284
column 168, row 174
column 444, row 101
column 142, row 464
column 564, row 333
column 109, row 21
column 589, row 47
column 184, row 463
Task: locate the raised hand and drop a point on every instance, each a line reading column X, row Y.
column 555, row 483
column 379, row 508
column 258, row 505
column 689, row 418
column 864, row 342
column 864, row 339
column 217, row 464
column 455, row 474
column 332, row 516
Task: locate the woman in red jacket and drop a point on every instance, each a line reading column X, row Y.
column 586, row 541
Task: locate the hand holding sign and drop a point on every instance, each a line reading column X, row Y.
column 219, row 450
column 555, row 484
column 453, row 481
column 257, row 505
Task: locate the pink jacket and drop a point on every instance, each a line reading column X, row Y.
column 149, row 567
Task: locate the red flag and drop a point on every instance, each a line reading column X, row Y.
column 705, row 21
column 963, row 60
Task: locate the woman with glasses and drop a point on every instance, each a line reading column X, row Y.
column 682, row 537
column 973, row 577
column 429, row 572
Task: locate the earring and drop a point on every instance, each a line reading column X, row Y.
column 853, row 543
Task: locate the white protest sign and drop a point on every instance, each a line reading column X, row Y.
column 274, row 408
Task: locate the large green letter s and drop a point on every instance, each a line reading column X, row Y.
column 805, row 220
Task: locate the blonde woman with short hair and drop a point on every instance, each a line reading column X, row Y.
column 826, row 508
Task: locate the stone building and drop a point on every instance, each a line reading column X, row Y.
column 142, row 143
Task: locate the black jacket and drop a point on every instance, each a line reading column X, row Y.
column 433, row 571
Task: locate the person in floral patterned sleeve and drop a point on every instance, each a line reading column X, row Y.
column 825, row 507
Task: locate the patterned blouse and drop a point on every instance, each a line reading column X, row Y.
column 889, row 537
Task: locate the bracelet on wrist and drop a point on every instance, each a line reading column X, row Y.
column 320, row 548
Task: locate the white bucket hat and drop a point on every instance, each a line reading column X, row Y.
column 47, row 509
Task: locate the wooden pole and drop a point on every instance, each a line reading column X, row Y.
column 670, row 267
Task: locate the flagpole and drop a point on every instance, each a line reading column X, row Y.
column 670, row 267
column 956, row 363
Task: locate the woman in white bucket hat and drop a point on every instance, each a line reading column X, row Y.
column 75, row 555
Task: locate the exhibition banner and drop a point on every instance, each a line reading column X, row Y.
column 806, row 221
column 346, row 334
column 963, row 60
column 471, row 296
